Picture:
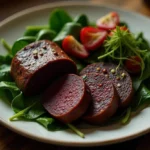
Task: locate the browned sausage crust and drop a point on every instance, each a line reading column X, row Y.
column 67, row 98
column 118, row 76
column 105, row 99
column 37, row 64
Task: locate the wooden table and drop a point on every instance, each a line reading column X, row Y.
column 12, row 141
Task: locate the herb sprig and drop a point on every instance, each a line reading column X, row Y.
column 121, row 45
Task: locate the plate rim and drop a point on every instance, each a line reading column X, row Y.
column 60, row 142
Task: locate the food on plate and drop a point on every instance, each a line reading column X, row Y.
column 92, row 38
column 105, row 99
column 72, row 47
column 118, row 76
column 133, row 65
column 99, row 73
column 109, row 21
column 67, row 99
column 37, row 64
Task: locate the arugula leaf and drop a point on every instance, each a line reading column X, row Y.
column 58, row 18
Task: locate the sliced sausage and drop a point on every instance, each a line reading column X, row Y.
column 105, row 99
column 118, row 76
column 39, row 63
column 67, row 98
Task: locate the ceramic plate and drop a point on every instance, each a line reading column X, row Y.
column 13, row 27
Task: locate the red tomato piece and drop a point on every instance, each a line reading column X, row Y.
column 92, row 38
column 108, row 22
column 133, row 64
column 72, row 47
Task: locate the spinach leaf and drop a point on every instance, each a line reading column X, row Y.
column 21, row 43
column 21, row 101
column 50, row 123
column 5, row 73
column 142, row 97
column 68, row 29
column 46, row 34
column 8, row 90
column 5, row 59
column 11, row 86
column 136, row 83
column 142, row 43
column 58, row 18
column 27, row 107
column 6, row 96
column 82, row 19
column 36, row 111
column 34, row 30
column 18, row 103
column 146, row 72
column 29, row 113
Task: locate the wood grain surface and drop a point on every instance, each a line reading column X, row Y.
column 12, row 141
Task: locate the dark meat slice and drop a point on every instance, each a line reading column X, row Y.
column 118, row 76
column 105, row 99
column 67, row 98
column 36, row 65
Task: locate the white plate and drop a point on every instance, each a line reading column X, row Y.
column 13, row 27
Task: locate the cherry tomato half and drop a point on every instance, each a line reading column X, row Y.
column 108, row 22
column 92, row 38
column 133, row 64
column 72, row 47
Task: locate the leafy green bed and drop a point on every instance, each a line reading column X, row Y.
column 30, row 108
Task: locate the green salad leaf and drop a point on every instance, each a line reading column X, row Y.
column 5, row 73
column 142, row 97
column 82, row 19
column 142, row 43
column 50, row 123
column 21, row 43
column 58, row 18
column 5, row 59
column 46, row 34
column 68, row 29
column 34, row 30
